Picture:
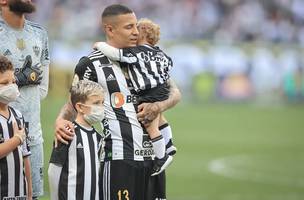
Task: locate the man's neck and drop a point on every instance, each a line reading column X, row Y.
column 14, row 20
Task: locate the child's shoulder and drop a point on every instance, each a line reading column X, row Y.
column 15, row 112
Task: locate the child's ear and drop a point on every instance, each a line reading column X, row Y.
column 78, row 108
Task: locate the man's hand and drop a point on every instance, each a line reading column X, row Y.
column 28, row 74
column 147, row 112
column 64, row 131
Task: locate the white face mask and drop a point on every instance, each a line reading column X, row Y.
column 96, row 115
column 9, row 93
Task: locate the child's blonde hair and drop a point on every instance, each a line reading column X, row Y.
column 150, row 29
column 81, row 91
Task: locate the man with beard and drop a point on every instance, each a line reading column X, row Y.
column 26, row 45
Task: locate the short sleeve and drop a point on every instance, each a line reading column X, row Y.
column 60, row 153
column 84, row 70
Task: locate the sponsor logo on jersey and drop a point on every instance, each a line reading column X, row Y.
column 150, row 56
column 144, row 152
column 119, row 99
column 36, row 50
column 87, row 73
column 147, row 144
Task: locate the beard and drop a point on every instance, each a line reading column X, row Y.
column 20, row 7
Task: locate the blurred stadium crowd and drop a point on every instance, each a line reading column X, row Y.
column 241, row 20
column 272, row 64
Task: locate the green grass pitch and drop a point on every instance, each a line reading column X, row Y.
column 225, row 151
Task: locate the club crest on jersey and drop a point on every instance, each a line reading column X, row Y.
column 118, row 99
column 20, row 43
column 36, row 50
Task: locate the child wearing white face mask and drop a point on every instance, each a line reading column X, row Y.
column 14, row 151
column 73, row 169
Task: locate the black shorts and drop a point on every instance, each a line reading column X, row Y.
column 159, row 93
column 130, row 180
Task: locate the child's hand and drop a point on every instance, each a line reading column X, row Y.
column 20, row 133
column 95, row 46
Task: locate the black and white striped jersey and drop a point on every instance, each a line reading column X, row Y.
column 12, row 178
column 149, row 66
column 73, row 170
column 125, row 137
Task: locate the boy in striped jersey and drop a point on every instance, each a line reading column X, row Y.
column 15, row 175
column 148, row 69
column 73, row 169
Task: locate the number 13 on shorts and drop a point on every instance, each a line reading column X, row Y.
column 123, row 195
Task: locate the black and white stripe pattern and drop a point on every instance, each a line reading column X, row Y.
column 149, row 66
column 79, row 167
column 106, row 184
column 12, row 178
column 125, row 135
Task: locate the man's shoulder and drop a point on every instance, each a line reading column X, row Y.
column 97, row 55
column 35, row 26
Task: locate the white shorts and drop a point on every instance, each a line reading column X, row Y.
column 37, row 169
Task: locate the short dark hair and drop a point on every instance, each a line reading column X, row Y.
column 5, row 64
column 115, row 9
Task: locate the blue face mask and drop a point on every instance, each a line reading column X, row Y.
column 9, row 93
column 96, row 115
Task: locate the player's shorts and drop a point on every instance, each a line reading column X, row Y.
column 127, row 179
column 159, row 93
column 36, row 159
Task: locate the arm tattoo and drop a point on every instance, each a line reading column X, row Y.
column 174, row 97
